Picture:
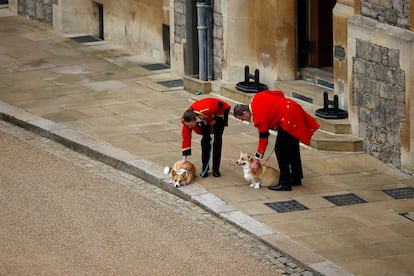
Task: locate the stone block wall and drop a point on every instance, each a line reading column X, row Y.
column 379, row 94
column 37, row 9
column 395, row 13
column 218, row 52
column 179, row 21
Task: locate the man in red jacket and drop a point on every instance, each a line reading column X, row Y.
column 271, row 110
column 206, row 116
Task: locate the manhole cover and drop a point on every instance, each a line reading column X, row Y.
column 156, row 66
column 172, row 83
column 286, row 206
column 400, row 193
column 345, row 199
column 86, row 38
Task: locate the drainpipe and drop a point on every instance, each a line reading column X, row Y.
column 202, row 37
column 209, row 16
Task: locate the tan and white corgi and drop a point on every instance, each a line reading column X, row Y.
column 181, row 173
column 265, row 175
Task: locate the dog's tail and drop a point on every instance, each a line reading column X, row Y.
column 167, row 170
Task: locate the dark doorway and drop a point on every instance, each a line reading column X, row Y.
column 166, row 42
column 3, row 2
column 191, row 62
column 98, row 21
column 101, row 21
column 314, row 33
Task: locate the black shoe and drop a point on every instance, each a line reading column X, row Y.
column 204, row 175
column 216, row 174
column 280, row 187
column 294, row 182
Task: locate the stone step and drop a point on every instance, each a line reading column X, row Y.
column 311, row 98
column 334, row 135
column 322, row 77
column 322, row 140
column 336, row 126
column 304, row 90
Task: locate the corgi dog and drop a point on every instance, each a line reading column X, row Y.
column 181, row 173
column 265, row 175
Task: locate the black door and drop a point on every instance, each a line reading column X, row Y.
column 191, row 48
column 101, row 21
column 315, row 32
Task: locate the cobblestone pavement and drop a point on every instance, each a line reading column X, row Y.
column 248, row 244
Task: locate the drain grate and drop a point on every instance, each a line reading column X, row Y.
column 400, row 193
column 302, row 97
column 86, row 38
column 172, row 83
column 155, row 66
column 345, row 199
column 325, row 83
column 286, row 206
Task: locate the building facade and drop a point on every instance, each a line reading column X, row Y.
column 367, row 46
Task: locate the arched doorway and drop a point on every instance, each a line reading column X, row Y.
column 314, row 33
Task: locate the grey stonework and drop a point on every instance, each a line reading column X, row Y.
column 37, row 9
column 379, row 93
column 179, row 21
column 392, row 12
column 218, row 52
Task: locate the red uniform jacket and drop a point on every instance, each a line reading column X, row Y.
column 206, row 110
column 271, row 110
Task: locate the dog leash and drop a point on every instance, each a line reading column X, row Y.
column 206, row 168
column 269, row 157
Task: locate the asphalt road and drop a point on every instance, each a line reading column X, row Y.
column 65, row 214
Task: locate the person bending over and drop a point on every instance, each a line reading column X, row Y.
column 271, row 110
column 206, row 117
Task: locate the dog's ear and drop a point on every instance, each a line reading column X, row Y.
column 173, row 172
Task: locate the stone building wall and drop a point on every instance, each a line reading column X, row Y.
column 218, row 53
column 379, row 94
column 37, row 9
column 395, row 13
column 179, row 21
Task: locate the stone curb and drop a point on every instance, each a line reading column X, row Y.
column 153, row 173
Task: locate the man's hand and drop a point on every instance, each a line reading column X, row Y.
column 254, row 166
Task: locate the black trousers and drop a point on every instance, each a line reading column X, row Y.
column 218, row 129
column 288, row 156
